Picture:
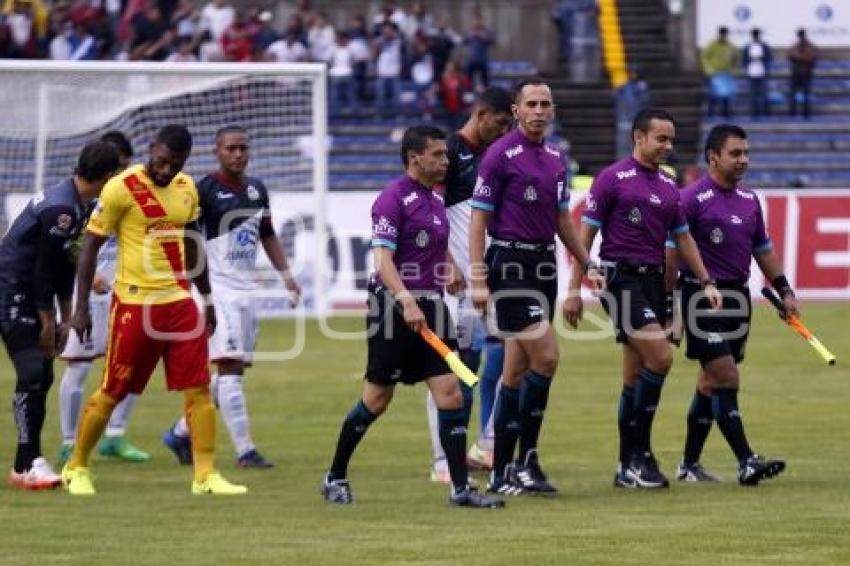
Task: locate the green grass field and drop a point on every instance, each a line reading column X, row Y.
column 794, row 407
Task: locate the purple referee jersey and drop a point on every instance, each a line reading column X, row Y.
column 635, row 208
column 524, row 185
column 727, row 225
column 410, row 219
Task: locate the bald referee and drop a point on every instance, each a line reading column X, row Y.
column 521, row 198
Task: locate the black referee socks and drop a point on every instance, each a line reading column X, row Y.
column 533, row 398
column 453, row 438
column 626, row 424
column 647, row 395
column 700, row 416
column 505, row 428
column 725, row 406
column 353, row 429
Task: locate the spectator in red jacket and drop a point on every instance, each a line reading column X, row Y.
column 455, row 90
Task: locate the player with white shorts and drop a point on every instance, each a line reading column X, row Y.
column 490, row 119
column 236, row 218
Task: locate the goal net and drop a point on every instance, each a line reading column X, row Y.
column 49, row 110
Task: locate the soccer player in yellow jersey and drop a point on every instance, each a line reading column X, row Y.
column 152, row 210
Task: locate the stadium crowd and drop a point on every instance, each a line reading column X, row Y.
column 368, row 58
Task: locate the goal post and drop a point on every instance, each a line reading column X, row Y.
column 50, row 109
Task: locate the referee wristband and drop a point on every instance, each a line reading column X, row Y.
column 706, row 282
column 780, row 283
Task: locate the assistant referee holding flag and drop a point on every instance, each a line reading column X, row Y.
column 726, row 221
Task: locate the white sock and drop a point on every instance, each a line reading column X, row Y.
column 118, row 421
column 234, row 412
column 71, row 398
column 181, row 428
column 434, row 428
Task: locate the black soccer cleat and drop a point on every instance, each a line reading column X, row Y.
column 531, row 477
column 694, row 473
column 253, row 459
column 621, row 479
column 755, row 468
column 182, row 447
column 336, row 491
column 643, row 470
column 470, row 497
column 505, row 483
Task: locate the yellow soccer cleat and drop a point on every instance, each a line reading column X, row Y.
column 78, row 481
column 215, row 484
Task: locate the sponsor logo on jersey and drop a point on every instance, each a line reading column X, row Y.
column 705, row 195
column 667, row 180
column 513, row 152
column 626, row 174
column 422, row 239
column 252, row 192
column 745, row 194
column 530, row 194
column 409, row 199
column 653, row 198
column 635, row 216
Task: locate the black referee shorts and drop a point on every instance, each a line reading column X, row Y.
column 523, row 285
column 634, row 298
column 712, row 335
column 395, row 353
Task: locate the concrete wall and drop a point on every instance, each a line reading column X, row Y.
column 523, row 28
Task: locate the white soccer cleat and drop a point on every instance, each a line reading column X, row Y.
column 39, row 476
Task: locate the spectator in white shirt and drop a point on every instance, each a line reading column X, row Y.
column 321, row 38
column 287, row 50
column 216, row 17
column 341, row 73
column 388, row 69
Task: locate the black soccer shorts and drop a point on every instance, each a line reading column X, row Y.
column 395, row 353
column 523, row 286
column 712, row 335
column 634, row 298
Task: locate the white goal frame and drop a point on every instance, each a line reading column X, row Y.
column 316, row 72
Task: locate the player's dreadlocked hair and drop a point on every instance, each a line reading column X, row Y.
column 176, row 138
